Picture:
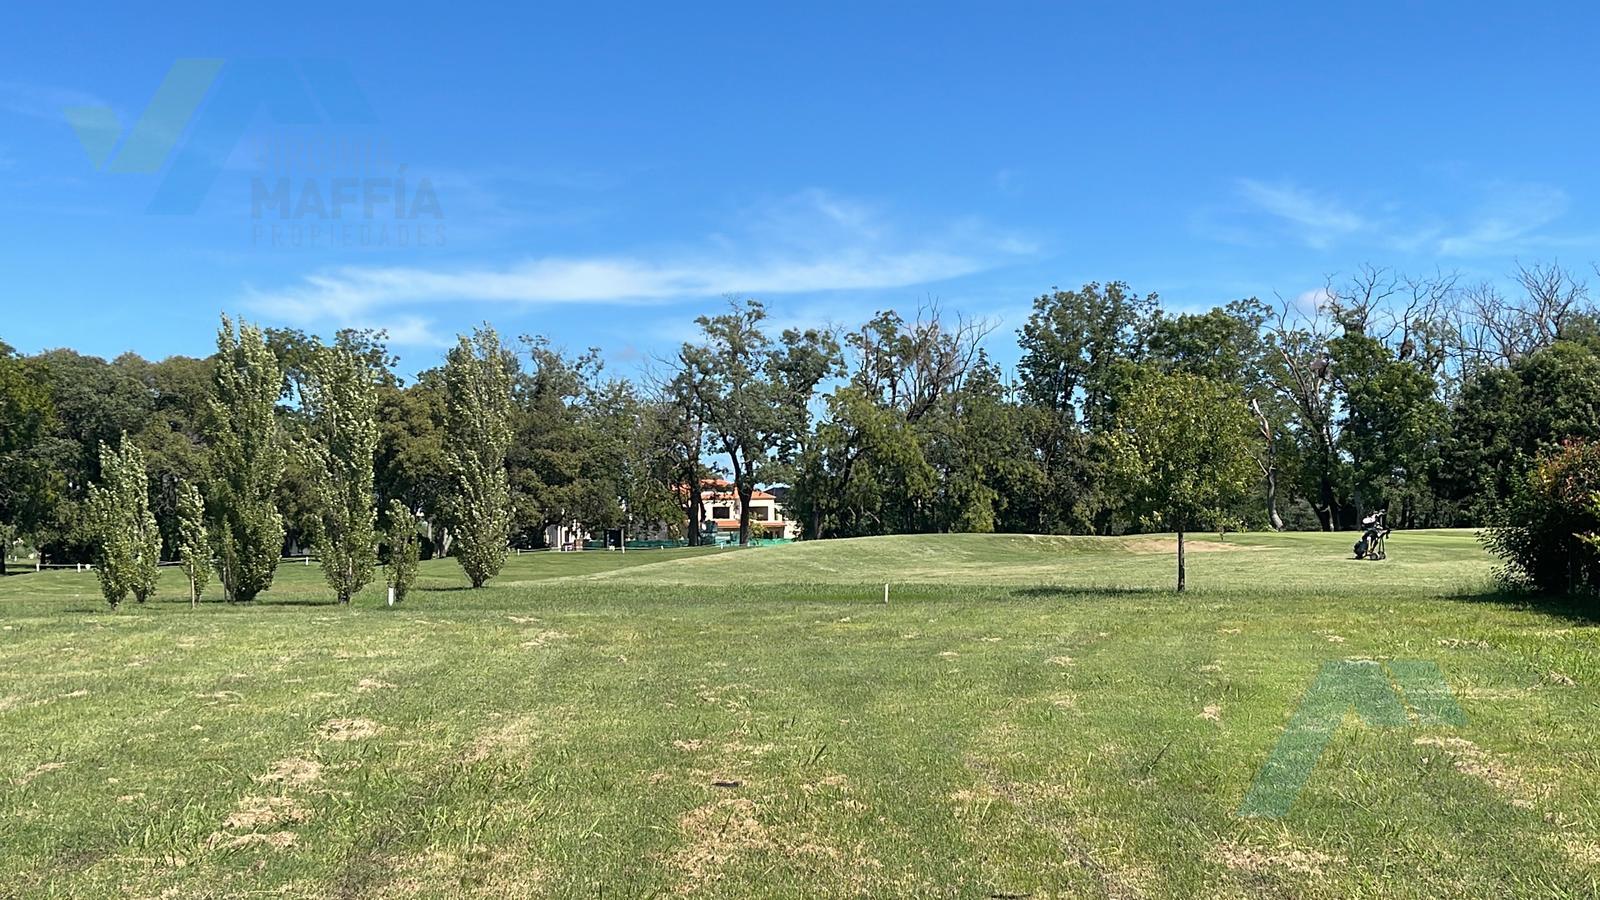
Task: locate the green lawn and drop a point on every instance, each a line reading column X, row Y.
column 1028, row 716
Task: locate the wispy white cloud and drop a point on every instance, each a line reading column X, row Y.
column 812, row 243
column 1509, row 218
column 42, row 101
column 1504, row 217
column 1318, row 220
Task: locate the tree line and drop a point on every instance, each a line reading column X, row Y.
column 1431, row 398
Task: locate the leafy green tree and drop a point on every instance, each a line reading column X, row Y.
column 1180, row 447
column 339, row 403
column 29, row 486
column 1548, row 534
column 194, row 545
column 173, row 435
column 1227, row 344
column 755, row 395
column 1391, row 426
column 128, row 556
column 975, row 442
column 865, row 471
column 679, row 412
column 95, row 402
column 247, row 459
column 634, row 485
column 560, row 474
column 299, row 498
column 410, row 463
column 1077, row 349
column 1505, row 418
column 403, row 549
column 477, row 380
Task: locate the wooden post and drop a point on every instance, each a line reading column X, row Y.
column 886, row 594
column 1180, row 561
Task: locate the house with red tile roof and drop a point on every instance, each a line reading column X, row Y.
column 767, row 518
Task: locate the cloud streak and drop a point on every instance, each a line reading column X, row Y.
column 42, row 101
column 1507, row 217
column 814, row 243
column 1320, row 221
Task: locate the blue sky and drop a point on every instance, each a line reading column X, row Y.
column 604, row 173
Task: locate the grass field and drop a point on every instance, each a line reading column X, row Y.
column 1027, row 717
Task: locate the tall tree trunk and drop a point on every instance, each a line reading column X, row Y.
column 695, row 511
column 1273, row 518
column 744, row 512
column 1269, row 466
column 1329, row 512
column 1181, row 573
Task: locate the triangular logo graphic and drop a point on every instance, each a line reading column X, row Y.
column 97, row 128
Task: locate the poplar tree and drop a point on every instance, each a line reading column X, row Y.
column 194, row 546
column 128, row 543
column 403, row 549
column 339, row 398
column 477, row 377
column 246, row 460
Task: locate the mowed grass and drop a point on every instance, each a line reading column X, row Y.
column 1027, row 716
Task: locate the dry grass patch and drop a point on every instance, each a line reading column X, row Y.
column 1190, row 545
column 41, row 769
column 259, row 812
column 1583, row 854
column 348, row 729
column 292, row 772
column 1470, row 759
column 544, row 639
column 1287, row 857
column 716, row 834
column 277, row 840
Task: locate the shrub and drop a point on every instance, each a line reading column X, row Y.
column 1549, row 532
column 403, row 546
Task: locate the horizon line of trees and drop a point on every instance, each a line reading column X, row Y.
column 1425, row 396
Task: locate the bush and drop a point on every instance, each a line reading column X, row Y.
column 403, row 545
column 1549, row 532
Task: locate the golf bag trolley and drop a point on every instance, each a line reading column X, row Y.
column 1375, row 537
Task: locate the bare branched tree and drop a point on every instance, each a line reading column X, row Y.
column 911, row 365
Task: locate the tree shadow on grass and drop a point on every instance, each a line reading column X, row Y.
column 1090, row 593
column 1582, row 610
